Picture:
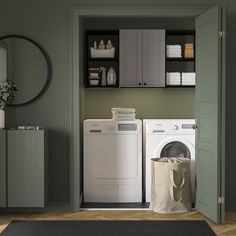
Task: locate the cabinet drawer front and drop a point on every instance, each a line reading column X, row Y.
column 2, row 168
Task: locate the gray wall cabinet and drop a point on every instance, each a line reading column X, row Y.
column 26, row 168
column 2, row 168
column 142, row 58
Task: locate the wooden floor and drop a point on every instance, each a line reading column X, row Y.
column 229, row 228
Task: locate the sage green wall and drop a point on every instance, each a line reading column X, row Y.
column 149, row 102
column 47, row 21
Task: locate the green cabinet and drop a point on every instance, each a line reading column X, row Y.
column 26, row 168
column 2, row 168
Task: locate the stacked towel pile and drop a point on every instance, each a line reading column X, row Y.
column 188, row 78
column 173, row 78
column 123, row 114
column 173, row 51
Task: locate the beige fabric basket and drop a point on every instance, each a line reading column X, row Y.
column 171, row 185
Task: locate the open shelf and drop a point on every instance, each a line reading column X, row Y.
column 179, row 59
column 103, row 59
column 180, row 32
column 180, row 86
column 180, row 64
column 102, row 87
column 98, row 62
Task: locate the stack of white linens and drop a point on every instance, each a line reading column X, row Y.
column 173, row 78
column 123, row 114
column 188, row 78
column 173, row 51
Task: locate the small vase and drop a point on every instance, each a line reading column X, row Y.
column 2, row 119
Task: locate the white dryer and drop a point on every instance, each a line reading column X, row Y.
column 168, row 138
column 112, row 161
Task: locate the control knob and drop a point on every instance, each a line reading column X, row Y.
column 175, row 127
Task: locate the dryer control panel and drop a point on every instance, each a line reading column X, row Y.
column 112, row 127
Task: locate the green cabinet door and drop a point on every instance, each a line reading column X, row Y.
column 209, row 139
column 2, row 168
column 26, row 168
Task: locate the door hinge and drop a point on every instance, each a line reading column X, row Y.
column 221, row 34
column 221, row 200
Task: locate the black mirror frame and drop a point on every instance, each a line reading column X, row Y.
column 48, row 63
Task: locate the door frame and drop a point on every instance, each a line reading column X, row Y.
column 76, row 14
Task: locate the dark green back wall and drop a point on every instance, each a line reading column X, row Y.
column 48, row 23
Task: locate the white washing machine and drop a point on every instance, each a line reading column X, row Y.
column 112, row 161
column 168, row 138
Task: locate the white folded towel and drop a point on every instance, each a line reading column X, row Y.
column 172, row 83
column 173, row 79
column 188, row 74
column 173, row 46
column 123, row 119
column 173, row 76
column 173, row 55
column 173, row 73
column 123, row 110
column 189, row 83
column 173, row 50
column 125, row 114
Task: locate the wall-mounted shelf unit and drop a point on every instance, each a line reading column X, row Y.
column 95, row 62
column 184, row 62
column 180, row 59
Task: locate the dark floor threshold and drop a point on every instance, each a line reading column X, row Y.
column 115, row 205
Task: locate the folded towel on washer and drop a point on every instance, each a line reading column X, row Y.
column 123, row 114
column 123, row 110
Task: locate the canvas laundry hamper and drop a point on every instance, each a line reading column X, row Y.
column 171, row 185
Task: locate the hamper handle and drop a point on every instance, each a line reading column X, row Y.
column 173, row 185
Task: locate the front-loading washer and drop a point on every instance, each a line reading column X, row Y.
column 168, row 138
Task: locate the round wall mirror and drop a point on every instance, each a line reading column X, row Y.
column 24, row 62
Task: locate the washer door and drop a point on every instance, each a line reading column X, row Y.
column 175, row 147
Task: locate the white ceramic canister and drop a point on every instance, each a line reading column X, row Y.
column 2, row 119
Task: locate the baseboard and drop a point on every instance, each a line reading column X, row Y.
column 230, row 208
column 51, row 207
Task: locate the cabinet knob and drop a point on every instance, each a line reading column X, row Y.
column 139, row 84
column 145, row 83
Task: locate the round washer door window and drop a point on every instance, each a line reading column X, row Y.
column 176, row 149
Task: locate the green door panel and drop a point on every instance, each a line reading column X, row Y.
column 208, row 113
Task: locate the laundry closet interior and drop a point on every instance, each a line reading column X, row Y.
column 162, row 100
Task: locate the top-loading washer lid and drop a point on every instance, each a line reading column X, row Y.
column 175, row 149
